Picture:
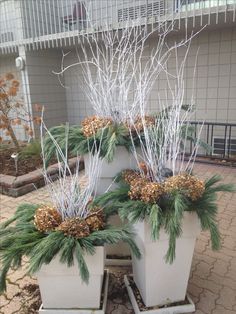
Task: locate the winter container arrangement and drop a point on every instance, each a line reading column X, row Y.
column 64, row 243
column 168, row 206
column 119, row 70
column 113, row 139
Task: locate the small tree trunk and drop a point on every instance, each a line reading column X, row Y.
column 13, row 137
column 10, row 130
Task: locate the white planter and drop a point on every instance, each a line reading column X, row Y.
column 168, row 309
column 160, row 283
column 61, row 287
column 120, row 249
column 101, row 310
column 122, row 160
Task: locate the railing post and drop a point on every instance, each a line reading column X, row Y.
column 225, row 140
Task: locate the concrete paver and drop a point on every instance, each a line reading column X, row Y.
column 212, row 283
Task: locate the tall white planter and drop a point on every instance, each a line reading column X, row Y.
column 160, row 283
column 122, row 160
column 61, row 287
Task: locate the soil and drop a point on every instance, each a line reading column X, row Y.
column 26, row 165
column 30, row 299
column 217, row 161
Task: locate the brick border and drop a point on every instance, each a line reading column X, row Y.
column 17, row 186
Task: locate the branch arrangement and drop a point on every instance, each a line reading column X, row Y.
column 70, row 226
column 163, row 205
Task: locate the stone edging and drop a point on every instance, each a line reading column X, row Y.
column 17, row 186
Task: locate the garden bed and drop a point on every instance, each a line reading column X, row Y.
column 25, row 165
column 15, row 186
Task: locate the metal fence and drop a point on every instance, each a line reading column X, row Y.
column 43, row 23
column 221, row 137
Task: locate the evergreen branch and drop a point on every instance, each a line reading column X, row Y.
column 113, row 235
column 24, row 212
column 207, row 216
column 119, row 195
column 170, row 255
column 133, row 247
column 45, row 251
column 75, row 136
column 67, row 251
column 155, row 221
column 107, row 139
column 222, row 188
column 84, row 272
column 134, row 210
column 111, row 146
column 180, row 204
column 3, row 275
column 87, row 245
column 212, row 181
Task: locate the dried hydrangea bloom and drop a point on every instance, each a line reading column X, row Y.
column 96, row 220
column 136, row 188
column 151, row 192
column 191, row 186
column 92, row 124
column 75, row 227
column 140, row 122
column 129, row 175
column 47, row 218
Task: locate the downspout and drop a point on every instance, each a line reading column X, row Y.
column 21, row 62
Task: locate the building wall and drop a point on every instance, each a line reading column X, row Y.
column 214, row 52
column 78, row 106
column 44, row 87
column 215, row 79
column 212, row 83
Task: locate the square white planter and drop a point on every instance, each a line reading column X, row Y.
column 161, row 283
column 122, row 160
column 102, row 310
column 61, row 287
column 186, row 308
column 120, row 250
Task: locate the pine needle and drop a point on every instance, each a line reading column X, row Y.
column 155, row 221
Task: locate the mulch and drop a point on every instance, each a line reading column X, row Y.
column 26, row 165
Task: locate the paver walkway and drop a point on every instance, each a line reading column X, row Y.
column 212, row 283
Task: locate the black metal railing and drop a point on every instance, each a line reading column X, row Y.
column 221, row 137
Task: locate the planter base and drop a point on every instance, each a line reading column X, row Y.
column 118, row 262
column 102, row 309
column 186, row 308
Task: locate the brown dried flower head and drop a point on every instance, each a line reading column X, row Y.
column 151, row 192
column 191, row 186
column 140, row 122
column 129, row 175
column 96, row 220
column 47, row 218
column 136, row 186
column 74, row 227
column 92, row 124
